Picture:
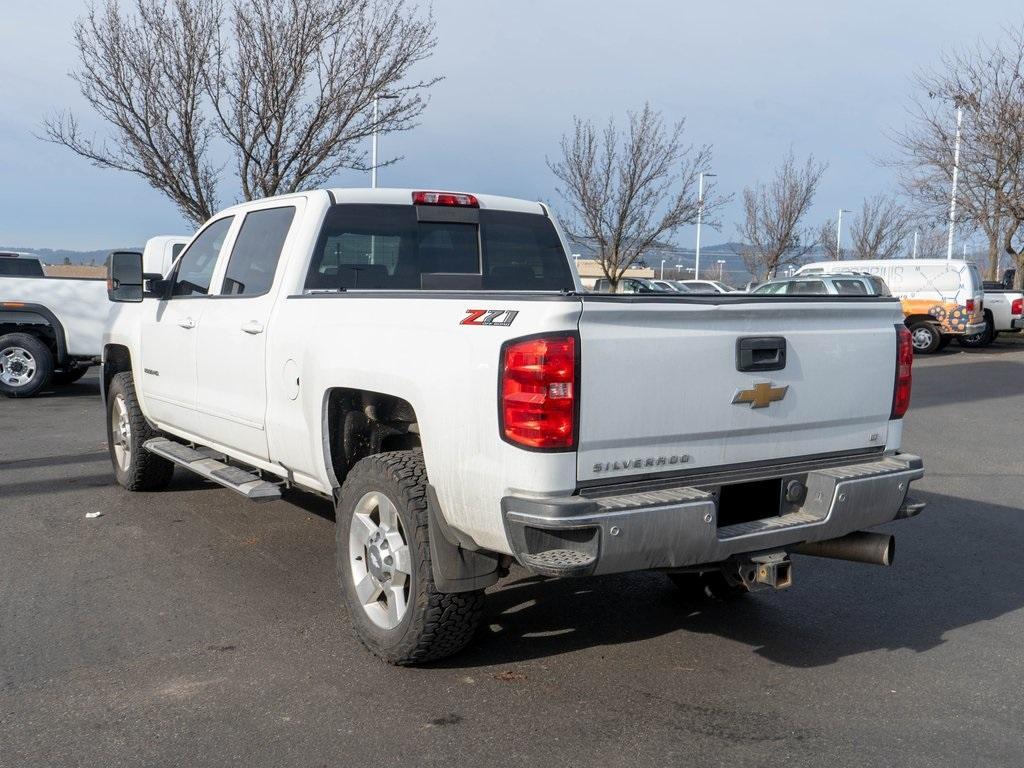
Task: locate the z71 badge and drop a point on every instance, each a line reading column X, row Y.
column 489, row 317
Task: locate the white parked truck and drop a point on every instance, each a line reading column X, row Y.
column 430, row 362
column 51, row 328
column 1004, row 313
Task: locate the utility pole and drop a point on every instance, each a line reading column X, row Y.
column 373, row 138
column 700, row 213
column 956, row 170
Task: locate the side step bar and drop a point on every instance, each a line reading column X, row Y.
column 203, row 463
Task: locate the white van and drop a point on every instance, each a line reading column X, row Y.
column 941, row 298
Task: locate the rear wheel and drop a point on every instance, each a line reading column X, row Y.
column 925, row 337
column 384, row 564
column 127, row 431
column 976, row 340
column 26, row 365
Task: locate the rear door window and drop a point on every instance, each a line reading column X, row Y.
column 256, row 251
column 850, row 288
column 807, row 288
column 387, row 247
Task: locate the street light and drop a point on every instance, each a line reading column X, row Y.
column 373, row 139
column 839, row 233
column 913, row 254
column 663, row 269
column 700, row 212
column 721, row 266
column 956, row 169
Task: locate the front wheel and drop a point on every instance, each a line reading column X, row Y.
column 925, row 337
column 127, row 431
column 26, row 365
column 384, row 565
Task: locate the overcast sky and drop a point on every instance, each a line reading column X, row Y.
column 752, row 77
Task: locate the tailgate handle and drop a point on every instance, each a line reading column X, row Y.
column 761, row 353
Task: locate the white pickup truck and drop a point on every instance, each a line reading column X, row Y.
column 430, row 362
column 1004, row 313
column 51, row 328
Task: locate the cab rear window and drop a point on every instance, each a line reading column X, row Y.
column 387, row 247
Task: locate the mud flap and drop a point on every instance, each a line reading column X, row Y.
column 456, row 568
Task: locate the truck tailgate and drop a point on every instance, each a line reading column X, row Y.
column 659, row 380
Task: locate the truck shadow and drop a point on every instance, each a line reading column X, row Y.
column 952, row 572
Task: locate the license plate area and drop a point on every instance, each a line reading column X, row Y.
column 746, row 502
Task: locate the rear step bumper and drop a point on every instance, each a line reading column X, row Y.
column 677, row 527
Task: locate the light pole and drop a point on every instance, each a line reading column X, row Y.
column 956, row 170
column 679, row 270
column 700, row 213
column 839, row 233
column 663, row 269
column 373, row 138
column 721, row 266
column 913, row 254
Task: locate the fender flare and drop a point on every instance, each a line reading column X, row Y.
column 19, row 307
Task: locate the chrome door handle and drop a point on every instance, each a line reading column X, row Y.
column 253, row 327
column 187, row 322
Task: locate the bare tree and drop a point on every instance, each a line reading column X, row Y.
column 881, row 229
column 987, row 82
column 619, row 187
column 293, row 87
column 284, row 86
column 145, row 76
column 771, row 231
column 827, row 240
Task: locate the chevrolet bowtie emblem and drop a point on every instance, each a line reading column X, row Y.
column 759, row 396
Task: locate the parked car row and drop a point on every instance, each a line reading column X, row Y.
column 942, row 300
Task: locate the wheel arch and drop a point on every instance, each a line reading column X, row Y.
column 357, row 423
column 912, row 320
column 20, row 317
column 117, row 358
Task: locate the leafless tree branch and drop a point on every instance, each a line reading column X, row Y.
column 628, row 190
column 771, row 229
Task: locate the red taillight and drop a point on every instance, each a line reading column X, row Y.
column 538, row 392
column 904, row 363
column 1017, row 307
column 456, row 199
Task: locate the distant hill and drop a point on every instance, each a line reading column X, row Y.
column 53, row 256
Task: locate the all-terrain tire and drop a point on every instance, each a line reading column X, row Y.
column 127, row 430
column 26, row 365
column 434, row 624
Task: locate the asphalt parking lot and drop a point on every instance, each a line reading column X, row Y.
column 190, row 627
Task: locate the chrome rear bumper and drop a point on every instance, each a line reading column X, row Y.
column 678, row 527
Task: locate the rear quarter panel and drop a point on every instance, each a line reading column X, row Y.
column 415, row 348
column 79, row 304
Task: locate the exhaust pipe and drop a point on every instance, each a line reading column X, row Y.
column 859, row 547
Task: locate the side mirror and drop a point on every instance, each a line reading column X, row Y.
column 124, row 276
